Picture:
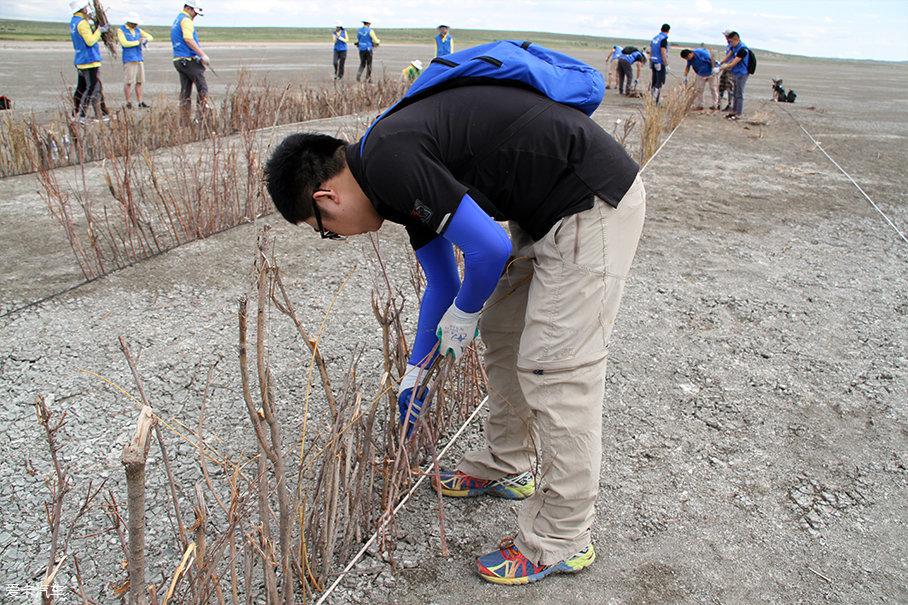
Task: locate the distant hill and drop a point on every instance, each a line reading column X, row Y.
column 21, row 30
column 11, row 29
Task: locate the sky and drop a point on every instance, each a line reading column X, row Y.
column 863, row 29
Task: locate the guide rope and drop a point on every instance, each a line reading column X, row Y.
column 842, row 170
column 397, row 508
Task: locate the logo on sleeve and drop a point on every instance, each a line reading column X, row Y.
column 421, row 211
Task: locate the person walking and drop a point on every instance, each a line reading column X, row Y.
column 612, row 61
column 624, row 69
column 659, row 61
column 190, row 61
column 444, row 41
column 704, row 64
column 133, row 41
column 736, row 61
column 87, row 61
column 340, row 50
column 544, row 298
column 366, row 41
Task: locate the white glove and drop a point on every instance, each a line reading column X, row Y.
column 104, row 28
column 205, row 59
column 456, row 330
column 408, row 380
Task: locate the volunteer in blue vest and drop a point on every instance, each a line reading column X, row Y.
column 133, row 40
column 87, row 60
column 543, row 293
column 624, row 69
column 340, row 50
column 366, row 41
column 735, row 61
column 444, row 41
column 189, row 60
column 612, row 61
column 659, row 61
column 704, row 66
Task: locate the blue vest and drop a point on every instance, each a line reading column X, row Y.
column 656, row 47
column 616, row 52
column 443, row 47
column 85, row 54
column 339, row 44
column 132, row 53
column 700, row 62
column 631, row 58
column 363, row 39
column 741, row 68
column 180, row 48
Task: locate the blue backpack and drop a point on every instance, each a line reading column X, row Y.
column 561, row 78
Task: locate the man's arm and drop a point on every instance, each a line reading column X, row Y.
column 374, row 37
column 442, row 284
column 731, row 64
column 188, row 29
column 91, row 37
column 121, row 38
column 145, row 35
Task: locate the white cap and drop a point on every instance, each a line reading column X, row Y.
column 367, row 20
column 134, row 17
column 193, row 5
column 338, row 24
column 77, row 5
column 417, row 64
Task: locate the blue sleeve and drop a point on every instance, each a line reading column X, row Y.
column 442, row 283
column 486, row 248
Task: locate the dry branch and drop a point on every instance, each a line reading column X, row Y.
column 135, row 453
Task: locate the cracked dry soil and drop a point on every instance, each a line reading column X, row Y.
column 755, row 415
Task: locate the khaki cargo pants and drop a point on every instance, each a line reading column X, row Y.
column 546, row 330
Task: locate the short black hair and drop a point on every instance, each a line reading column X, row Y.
column 686, row 53
column 666, row 27
column 297, row 167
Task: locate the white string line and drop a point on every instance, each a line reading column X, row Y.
column 400, row 505
column 652, row 157
column 820, row 147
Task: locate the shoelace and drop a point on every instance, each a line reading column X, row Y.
column 507, row 545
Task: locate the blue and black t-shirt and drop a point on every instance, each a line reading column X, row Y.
column 417, row 163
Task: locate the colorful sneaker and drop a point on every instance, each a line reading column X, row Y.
column 507, row 565
column 512, row 487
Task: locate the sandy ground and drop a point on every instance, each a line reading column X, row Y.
column 755, row 415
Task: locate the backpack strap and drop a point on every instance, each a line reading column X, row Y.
column 505, row 135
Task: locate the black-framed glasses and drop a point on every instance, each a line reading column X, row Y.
column 318, row 221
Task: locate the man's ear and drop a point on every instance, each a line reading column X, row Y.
column 325, row 196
